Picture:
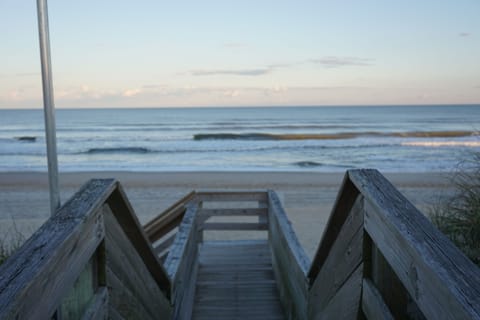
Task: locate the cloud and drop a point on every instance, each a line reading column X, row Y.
column 83, row 92
column 464, row 34
column 131, row 92
column 231, row 93
column 20, row 74
column 154, row 86
column 242, row 72
column 238, row 72
column 338, row 62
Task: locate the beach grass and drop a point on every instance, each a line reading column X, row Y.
column 9, row 243
column 458, row 215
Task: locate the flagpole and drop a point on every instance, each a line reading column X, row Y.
column 48, row 105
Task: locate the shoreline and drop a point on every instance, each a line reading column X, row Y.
column 145, row 178
column 307, row 197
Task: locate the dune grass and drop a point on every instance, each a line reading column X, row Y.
column 458, row 216
column 9, row 243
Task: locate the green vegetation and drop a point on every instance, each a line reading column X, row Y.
column 8, row 245
column 458, row 216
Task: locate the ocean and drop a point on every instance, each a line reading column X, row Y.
column 321, row 139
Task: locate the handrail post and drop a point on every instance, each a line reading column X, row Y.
column 48, row 105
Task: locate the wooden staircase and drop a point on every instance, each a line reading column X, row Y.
column 236, row 281
column 235, row 255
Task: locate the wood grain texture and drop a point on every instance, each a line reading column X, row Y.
column 98, row 308
column 234, row 226
column 344, row 202
column 123, row 303
column 443, row 282
column 222, row 196
column 127, row 265
column 343, row 259
column 346, row 302
column 290, row 262
column 168, row 219
column 50, row 261
column 181, row 264
column 127, row 219
column 233, row 212
column 373, row 305
column 236, row 281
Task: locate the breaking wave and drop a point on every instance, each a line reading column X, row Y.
column 333, row 136
column 140, row 150
column 307, row 164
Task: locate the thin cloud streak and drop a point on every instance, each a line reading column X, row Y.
column 241, row 72
column 20, row 74
column 327, row 62
column 338, row 62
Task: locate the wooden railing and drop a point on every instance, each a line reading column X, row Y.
column 381, row 258
column 182, row 264
column 163, row 228
column 90, row 259
column 246, row 204
column 290, row 262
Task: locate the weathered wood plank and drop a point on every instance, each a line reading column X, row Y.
column 173, row 215
column 165, row 244
column 344, row 257
column 123, row 303
column 290, row 262
column 238, row 275
column 230, row 284
column 77, row 300
column 343, row 204
column 373, row 305
column 387, row 283
column 182, row 264
column 45, row 263
column 233, row 212
column 127, row 219
column 129, row 267
column 346, row 302
column 224, row 196
column 442, row 281
column 234, row 226
column 98, row 308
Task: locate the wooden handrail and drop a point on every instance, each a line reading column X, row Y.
column 168, row 219
column 45, row 256
column 81, row 239
column 377, row 239
column 182, row 264
column 290, row 262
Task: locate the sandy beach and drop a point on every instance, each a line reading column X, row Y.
column 307, row 197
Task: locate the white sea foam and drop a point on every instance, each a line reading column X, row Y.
column 435, row 144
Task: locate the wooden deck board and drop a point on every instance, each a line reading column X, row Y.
column 236, row 281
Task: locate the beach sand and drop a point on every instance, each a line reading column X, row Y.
column 307, row 197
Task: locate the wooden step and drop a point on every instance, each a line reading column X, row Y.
column 236, row 281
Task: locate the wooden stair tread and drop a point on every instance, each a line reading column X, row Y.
column 236, row 281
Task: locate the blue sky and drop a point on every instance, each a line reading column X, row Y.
column 243, row 53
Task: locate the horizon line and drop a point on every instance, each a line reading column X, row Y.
column 248, row 106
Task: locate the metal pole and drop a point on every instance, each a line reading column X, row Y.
column 48, row 105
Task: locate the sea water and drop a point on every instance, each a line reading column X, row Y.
column 325, row 139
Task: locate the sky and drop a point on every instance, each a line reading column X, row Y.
column 243, row 53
